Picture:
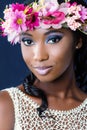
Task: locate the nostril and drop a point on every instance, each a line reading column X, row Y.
column 41, row 57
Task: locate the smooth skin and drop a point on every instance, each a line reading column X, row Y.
column 47, row 48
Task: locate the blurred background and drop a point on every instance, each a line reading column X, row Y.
column 12, row 68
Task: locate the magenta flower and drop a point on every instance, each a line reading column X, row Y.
column 28, row 10
column 32, row 20
column 72, row 4
column 83, row 14
column 2, row 30
column 17, row 6
column 54, row 18
column 45, row 14
column 18, row 21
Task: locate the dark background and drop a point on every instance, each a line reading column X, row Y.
column 12, row 68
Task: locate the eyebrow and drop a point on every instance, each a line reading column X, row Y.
column 52, row 31
column 25, row 33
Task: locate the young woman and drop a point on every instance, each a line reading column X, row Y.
column 53, row 40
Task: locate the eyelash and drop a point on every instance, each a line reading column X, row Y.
column 53, row 39
column 27, row 41
column 50, row 40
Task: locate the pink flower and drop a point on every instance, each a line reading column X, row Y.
column 64, row 8
column 72, row 4
column 2, row 30
column 48, row 7
column 45, row 14
column 28, row 10
column 18, row 21
column 54, row 18
column 74, row 10
column 32, row 21
column 32, row 18
column 53, row 5
column 8, row 12
column 72, row 23
column 13, row 37
column 17, row 6
column 83, row 14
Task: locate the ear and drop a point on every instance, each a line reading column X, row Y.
column 79, row 43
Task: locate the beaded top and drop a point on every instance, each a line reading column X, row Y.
column 27, row 118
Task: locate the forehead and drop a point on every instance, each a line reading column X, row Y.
column 41, row 31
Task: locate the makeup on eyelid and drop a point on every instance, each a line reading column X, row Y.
column 51, row 38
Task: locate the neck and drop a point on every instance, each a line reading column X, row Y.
column 62, row 87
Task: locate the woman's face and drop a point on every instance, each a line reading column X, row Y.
column 48, row 53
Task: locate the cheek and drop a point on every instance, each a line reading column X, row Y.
column 62, row 54
column 26, row 54
column 62, row 57
column 64, row 49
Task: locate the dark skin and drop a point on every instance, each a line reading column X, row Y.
column 46, row 49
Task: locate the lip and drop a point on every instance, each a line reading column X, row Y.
column 43, row 70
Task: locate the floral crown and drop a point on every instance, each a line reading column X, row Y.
column 19, row 18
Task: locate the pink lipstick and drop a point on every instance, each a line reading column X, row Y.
column 43, row 70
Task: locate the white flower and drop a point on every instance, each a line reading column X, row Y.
column 72, row 24
column 13, row 37
column 8, row 13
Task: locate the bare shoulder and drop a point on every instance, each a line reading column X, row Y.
column 6, row 111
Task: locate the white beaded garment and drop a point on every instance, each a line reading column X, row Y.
column 26, row 116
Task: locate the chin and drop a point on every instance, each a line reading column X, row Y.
column 46, row 79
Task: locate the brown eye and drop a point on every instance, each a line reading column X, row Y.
column 53, row 39
column 27, row 41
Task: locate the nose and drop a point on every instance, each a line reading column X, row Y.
column 41, row 53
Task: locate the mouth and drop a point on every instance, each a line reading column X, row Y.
column 43, row 70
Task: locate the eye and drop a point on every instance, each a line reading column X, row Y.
column 53, row 39
column 27, row 41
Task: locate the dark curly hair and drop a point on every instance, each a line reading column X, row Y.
column 80, row 67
